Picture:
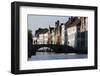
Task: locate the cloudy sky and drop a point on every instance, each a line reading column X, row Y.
column 43, row 21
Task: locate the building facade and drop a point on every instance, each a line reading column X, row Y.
column 73, row 33
column 76, row 32
column 41, row 36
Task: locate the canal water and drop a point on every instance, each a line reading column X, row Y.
column 55, row 56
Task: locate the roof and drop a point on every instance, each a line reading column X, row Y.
column 41, row 31
column 51, row 28
column 73, row 21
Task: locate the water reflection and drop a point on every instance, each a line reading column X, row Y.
column 55, row 56
column 45, row 49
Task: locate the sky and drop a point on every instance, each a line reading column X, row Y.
column 43, row 21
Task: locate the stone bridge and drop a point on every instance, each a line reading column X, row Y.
column 56, row 49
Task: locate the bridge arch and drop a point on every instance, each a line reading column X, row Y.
column 45, row 49
column 52, row 47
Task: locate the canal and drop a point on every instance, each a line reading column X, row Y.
column 55, row 56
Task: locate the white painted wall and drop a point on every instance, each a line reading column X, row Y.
column 62, row 34
column 46, row 38
column 41, row 39
column 34, row 40
column 71, row 32
column 53, row 37
column 5, row 38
